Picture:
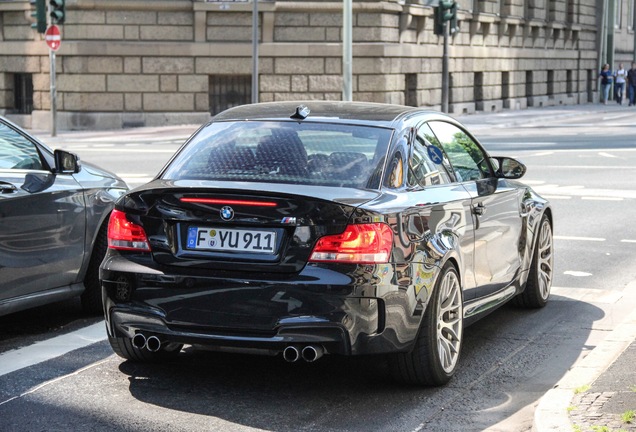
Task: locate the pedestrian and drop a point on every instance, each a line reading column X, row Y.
column 606, row 82
column 631, row 84
column 619, row 83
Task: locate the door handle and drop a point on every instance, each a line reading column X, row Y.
column 479, row 209
column 6, row 188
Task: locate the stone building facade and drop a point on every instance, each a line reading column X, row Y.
column 133, row 62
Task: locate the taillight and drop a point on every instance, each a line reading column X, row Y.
column 360, row 244
column 126, row 235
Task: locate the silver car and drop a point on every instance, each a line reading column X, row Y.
column 53, row 219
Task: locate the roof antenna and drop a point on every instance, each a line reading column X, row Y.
column 301, row 112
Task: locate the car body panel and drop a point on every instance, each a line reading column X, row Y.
column 48, row 222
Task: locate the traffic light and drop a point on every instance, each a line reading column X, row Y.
column 57, row 11
column 445, row 11
column 39, row 14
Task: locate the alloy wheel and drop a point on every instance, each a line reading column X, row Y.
column 449, row 321
column 545, row 259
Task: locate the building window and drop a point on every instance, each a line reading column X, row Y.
column 23, row 93
column 570, row 10
column 570, row 82
column 227, row 91
column 478, row 87
column 505, row 89
column 529, row 84
column 630, row 15
column 551, row 83
column 410, row 89
column 618, row 15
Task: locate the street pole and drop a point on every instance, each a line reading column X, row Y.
column 445, row 77
column 53, row 94
column 347, row 55
column 255, row 51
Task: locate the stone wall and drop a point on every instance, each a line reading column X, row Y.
column 133, row 62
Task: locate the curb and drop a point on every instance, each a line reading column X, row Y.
column 532, row 116
column 551, row 413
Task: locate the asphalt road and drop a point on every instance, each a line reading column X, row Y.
column 583, row 162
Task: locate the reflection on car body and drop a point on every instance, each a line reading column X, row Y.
column 355, row 228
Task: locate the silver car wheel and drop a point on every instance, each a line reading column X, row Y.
column 545, row 259
column 449, row 322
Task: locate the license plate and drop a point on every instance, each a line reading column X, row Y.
column 224, row 239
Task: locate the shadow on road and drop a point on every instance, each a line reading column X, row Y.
column 509, row 360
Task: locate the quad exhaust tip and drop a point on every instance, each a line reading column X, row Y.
column 152, row 343
column 291, row 354
column 312, row 353
column 309, row 353
column 139, row 341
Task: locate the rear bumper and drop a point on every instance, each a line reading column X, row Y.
column 355, row 310
column 126, row 323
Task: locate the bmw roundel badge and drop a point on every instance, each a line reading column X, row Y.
column 227, row 213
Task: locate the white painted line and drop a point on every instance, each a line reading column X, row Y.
column 591, row 167
column 534, row 182
column 39, row 352
column 628, row 241
column 577, row 273
column 546, row 153
column 593, row 239
column 556, row 197
column 607, row 155
column 602, row 198
column 614, row 117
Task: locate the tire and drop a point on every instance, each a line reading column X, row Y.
column 124, row 348
column 434, row 358
column 537, row 290
column 91, row 298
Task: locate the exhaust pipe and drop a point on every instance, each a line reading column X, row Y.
column 312, row 353
column 291, row 354
column 153, row 344
column 139, row 341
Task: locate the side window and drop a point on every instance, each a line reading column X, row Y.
column 425, row 166
column 468, row 160
column 17, row 152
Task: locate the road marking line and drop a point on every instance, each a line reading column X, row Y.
column 602, row 198
column 577, row 273
column 546, row 153
column 596, row 167
column 628, row 241
column 556, row 197
column 607, row 155
column 593, row 239
column 39, row 352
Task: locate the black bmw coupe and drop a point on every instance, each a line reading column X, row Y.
column 306, row 229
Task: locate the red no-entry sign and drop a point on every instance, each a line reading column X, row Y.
column 53, row 38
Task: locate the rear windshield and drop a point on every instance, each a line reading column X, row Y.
column 284, row 152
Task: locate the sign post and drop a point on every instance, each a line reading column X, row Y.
column 53, row 40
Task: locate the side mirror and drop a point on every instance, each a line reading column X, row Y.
column 509, row 168
column 66, row 162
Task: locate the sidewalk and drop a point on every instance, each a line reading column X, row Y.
column 600, row 389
